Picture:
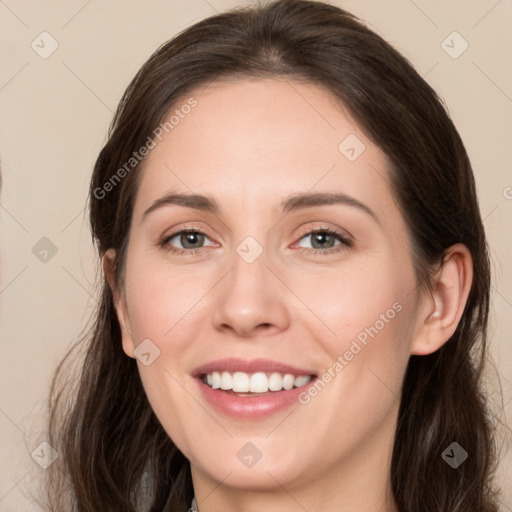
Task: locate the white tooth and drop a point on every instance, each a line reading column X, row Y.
column 258, row 383
column 240, row 382
column 215, row 380
column 288, row 381
column 226, row 381
column 302, row 380
column 275, row 382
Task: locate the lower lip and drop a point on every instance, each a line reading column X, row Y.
column 251, row 407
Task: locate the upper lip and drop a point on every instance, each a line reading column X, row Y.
column 233, row 364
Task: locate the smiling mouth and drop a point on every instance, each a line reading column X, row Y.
column 254, row 384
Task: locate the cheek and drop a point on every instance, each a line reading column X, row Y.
column 369, row 311
column 161, row 301
column 359, row 301
column 372, row 318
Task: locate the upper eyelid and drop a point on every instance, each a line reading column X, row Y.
column 339, row 231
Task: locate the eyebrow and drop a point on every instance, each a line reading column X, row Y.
column 292, row 203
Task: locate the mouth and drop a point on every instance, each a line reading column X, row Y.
column 251, row 389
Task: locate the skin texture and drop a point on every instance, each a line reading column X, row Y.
column 250, row 144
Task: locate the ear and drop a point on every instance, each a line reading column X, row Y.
column 440, row 313
column 108, row 264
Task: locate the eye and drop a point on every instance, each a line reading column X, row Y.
column 191, row 241
column 323, row 241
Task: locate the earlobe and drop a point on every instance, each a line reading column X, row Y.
column 439, row 315
column 108, row 265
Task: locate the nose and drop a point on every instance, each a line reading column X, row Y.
column 251, row 300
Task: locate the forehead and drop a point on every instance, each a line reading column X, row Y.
column 256, row 141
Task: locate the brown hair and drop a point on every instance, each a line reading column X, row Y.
column 111, row 446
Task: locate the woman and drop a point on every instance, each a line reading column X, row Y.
column 296, row 289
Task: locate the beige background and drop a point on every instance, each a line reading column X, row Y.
column 55, row 117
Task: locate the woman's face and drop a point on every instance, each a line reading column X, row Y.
column 298, row 265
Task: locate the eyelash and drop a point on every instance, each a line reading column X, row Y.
column 345, row 243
